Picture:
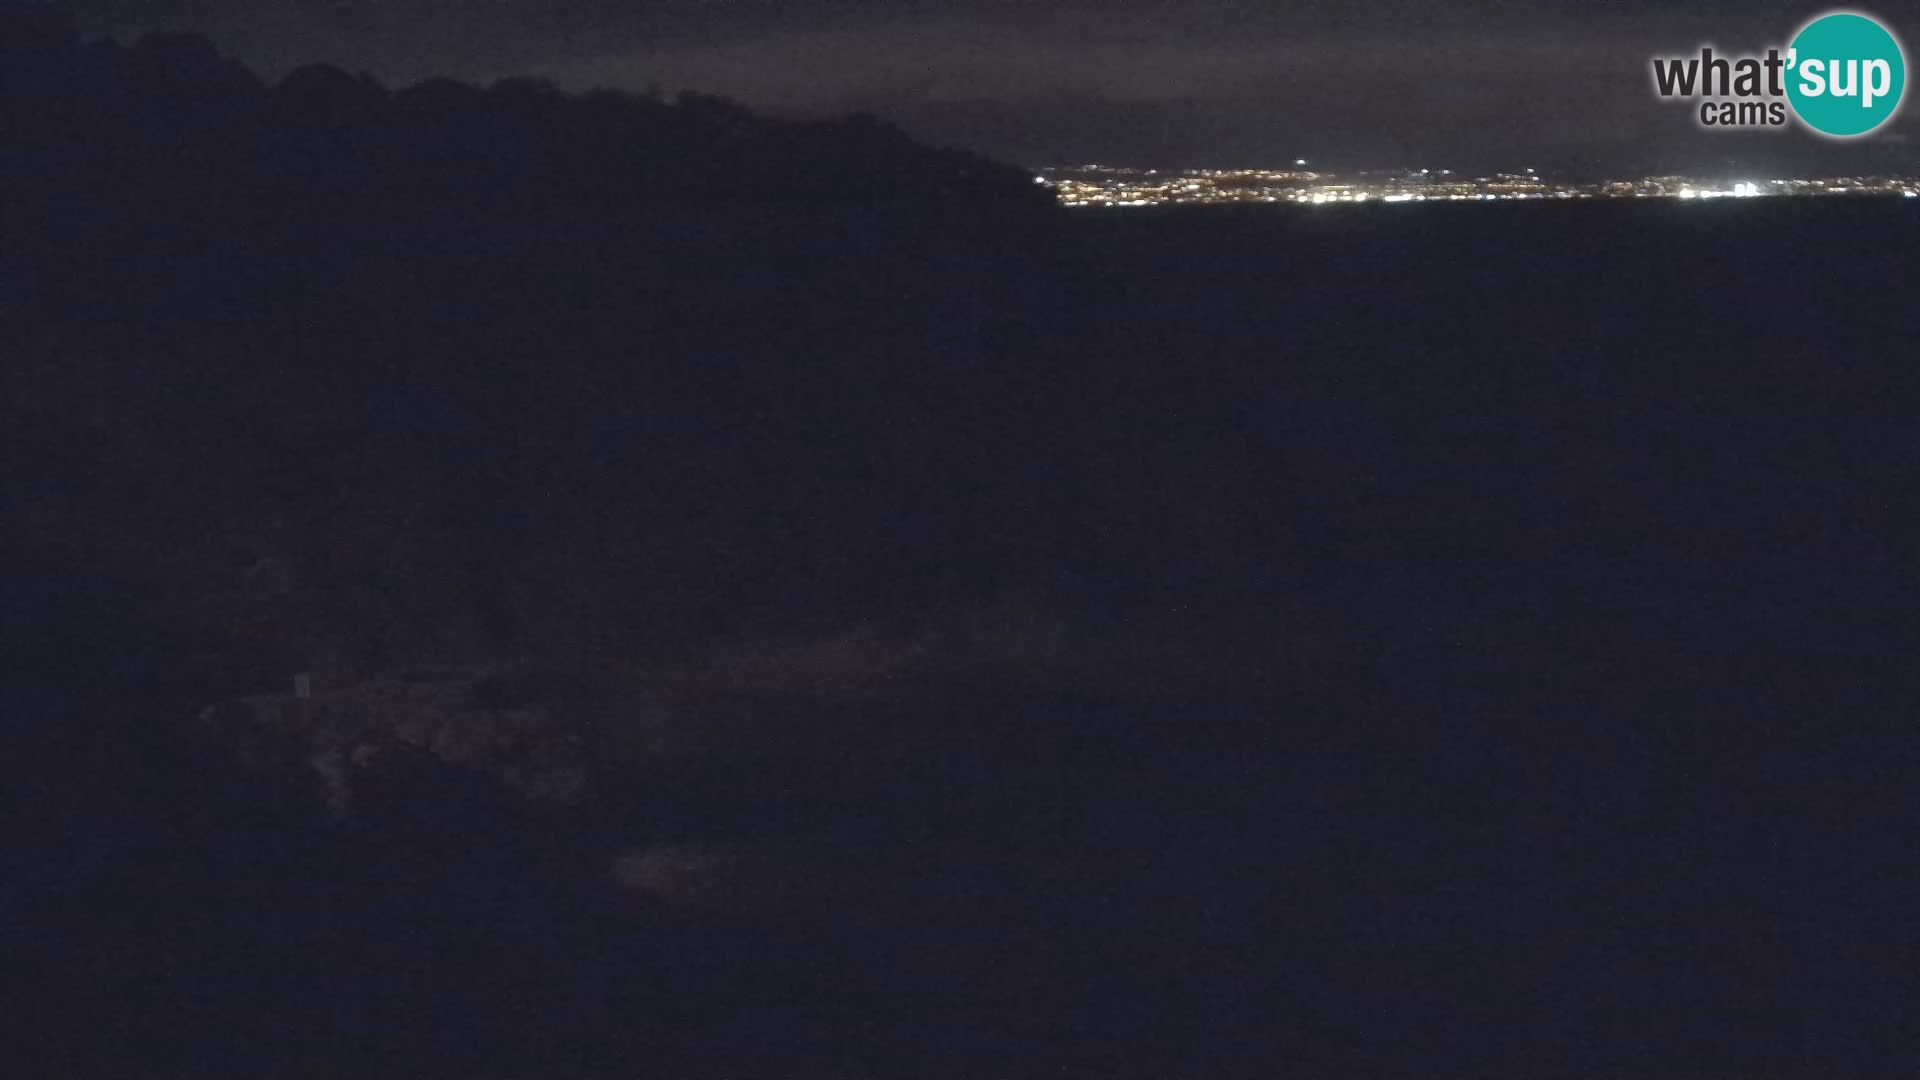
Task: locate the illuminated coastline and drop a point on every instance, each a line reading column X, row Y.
column 1108, row 186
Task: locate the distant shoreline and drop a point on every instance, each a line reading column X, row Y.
column 1120, row 188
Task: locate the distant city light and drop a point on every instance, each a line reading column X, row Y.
column 1100, row 185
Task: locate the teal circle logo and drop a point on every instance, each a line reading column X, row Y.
column 1846, row 74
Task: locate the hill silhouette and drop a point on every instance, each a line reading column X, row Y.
column 508, row 312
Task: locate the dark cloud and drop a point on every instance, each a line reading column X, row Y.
column 1478, row 81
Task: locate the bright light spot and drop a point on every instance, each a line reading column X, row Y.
column 1746, row 190
column 1300, row 163
column 1689, row 193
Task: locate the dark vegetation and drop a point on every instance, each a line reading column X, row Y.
column 1488, row 628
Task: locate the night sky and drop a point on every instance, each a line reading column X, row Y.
column 1470, row 84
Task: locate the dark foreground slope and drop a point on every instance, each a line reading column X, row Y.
column 843, row 628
